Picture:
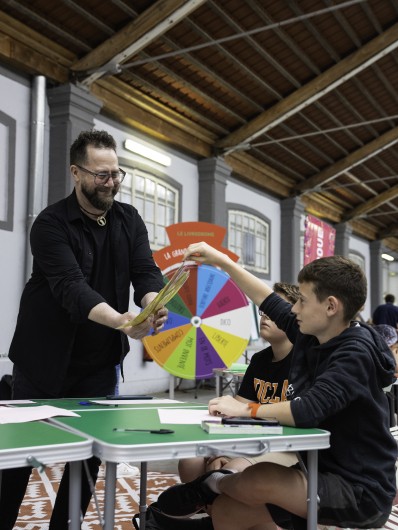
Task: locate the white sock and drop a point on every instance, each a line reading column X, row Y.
column 212, row 481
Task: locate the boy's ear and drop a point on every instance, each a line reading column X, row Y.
column 333, row 304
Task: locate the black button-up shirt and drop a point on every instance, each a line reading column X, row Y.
column 58, row 297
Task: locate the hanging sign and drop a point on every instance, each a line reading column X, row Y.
column 319, row 239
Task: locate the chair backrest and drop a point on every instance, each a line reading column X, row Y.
column 5, row 387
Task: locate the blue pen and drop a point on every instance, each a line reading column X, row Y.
column 85, row 403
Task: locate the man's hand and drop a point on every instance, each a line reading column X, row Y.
column 159, row 319
column 228, row 406
column 161, row 315
column 139, row 331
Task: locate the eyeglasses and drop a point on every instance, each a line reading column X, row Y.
column 262, row 314
column 102, row 178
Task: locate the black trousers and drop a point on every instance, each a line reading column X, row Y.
column 15, row 481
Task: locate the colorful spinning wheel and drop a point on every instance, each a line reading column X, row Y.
column 208, row 327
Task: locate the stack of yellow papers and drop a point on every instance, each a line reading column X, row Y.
column 162, row 298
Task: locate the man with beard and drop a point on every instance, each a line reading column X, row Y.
column 87, row 251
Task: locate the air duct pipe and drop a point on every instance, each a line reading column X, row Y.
column 36, row 178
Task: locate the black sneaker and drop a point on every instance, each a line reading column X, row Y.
column 187, row 499
column 156, row 520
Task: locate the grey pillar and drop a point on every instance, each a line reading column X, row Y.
column 291, row 211
column 342, row 244
column 72, row 110
column 376, row 274
column 213, row 175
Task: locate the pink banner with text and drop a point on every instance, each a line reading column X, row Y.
column 319, row 239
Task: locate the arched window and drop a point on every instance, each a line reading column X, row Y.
column 156, row 200
column 357, row 258
column 248, row 237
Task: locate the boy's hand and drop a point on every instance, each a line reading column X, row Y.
column 216, row 462
column 204, row 253
column 228, row 406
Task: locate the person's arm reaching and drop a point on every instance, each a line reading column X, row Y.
column 229, row 406
column 107, row 316
column 252, row 286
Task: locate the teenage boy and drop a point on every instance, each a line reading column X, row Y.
column 339, row 374
column 266, row 380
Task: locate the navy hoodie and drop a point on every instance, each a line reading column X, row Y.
column 338, row 386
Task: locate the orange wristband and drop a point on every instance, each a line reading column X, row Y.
column 253, row 409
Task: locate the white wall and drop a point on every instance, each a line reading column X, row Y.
column 362, row 247
column 15, row 102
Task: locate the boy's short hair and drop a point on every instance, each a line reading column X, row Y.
column 288, row 290
column 389, row 298
column 98, row 139
column 340, row 277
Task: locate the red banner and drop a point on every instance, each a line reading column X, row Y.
column 319, row 239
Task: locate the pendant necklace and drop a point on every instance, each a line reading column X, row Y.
column 101, row 220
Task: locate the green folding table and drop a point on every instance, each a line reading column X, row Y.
column 98, row 423
column 38, row 443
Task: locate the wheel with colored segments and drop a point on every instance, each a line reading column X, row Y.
column 208, row 327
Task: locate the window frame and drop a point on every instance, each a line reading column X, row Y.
column 7, row 223
column 257, row 216
column 360, row 257
column 160, row 178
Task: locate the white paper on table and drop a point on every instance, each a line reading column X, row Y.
column 132, row 401
column 186, row 416
column 16, row 401
column 25, row 414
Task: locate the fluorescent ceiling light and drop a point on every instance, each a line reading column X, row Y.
column 387, row 257
column 147, row 152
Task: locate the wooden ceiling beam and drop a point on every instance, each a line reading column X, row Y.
column 29, row 51
column 158, row 109
column 146, row 28
column 30, row 61
column 391, row 243
column 364, row 229
column 313, row 90
column 359, row 156
column 129, row 111
column 22, row 34
column 372, row 204
column 259, row 174
column 322, row 207
column 390, row 231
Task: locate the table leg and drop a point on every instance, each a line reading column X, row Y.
column 110, row 494
column 143, row 492
column 235, row 384
column 312, row 492
column 218, row 385
column 172, row 382
column 75, row 488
